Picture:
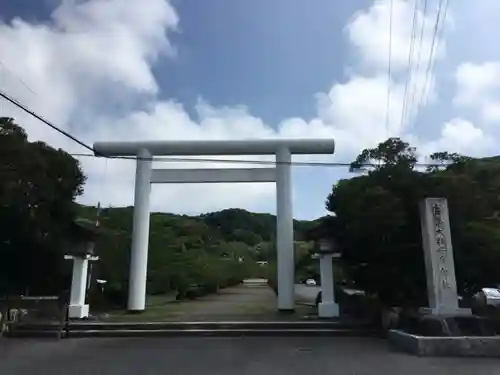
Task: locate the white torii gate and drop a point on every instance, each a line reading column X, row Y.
column 281, row 175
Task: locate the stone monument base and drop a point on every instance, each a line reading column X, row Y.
column 464, row 346
column 443, row 310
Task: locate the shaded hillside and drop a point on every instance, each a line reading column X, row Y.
column 235, row 224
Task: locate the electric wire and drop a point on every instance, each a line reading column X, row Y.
column 418, row 63
column 46, row 122
column 388, row 107
column 193, row 159
column 437, row 34
column 409, row 70
column 243, row 161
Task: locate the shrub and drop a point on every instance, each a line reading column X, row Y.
column 115, row 295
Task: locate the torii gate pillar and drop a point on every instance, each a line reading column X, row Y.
column 140, row 233
column 284, row 231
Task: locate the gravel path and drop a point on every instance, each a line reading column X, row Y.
column 238, row 300
column 243, row 302
column 225, row 356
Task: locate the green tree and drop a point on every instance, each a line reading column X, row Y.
column 38, row 186
column 379, row 220
column 393, row 153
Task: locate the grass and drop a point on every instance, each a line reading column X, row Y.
column 160, row 300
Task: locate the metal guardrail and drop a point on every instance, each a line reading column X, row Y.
column 15, row 311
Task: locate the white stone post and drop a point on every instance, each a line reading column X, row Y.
column 327, row 308
column 438, row 254
column 140, row 233
column 284, row 231
column 77, row 307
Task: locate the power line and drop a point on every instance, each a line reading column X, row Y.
column 46, row 122
column 404, row 109
column 414, row 91
column 171, row 159
column 260, row 162
column 440, row 33
column 215, row 160
column 96, row 154
column 17, row 77
column 435, row 39
column 387, row 116
column 445, row 13
column 196, row 159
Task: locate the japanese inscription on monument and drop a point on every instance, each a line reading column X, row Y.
column 440, row 242
column 438, row 252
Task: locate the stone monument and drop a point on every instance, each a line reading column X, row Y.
column 438, row 253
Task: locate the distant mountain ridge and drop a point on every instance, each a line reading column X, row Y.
column 231, row 225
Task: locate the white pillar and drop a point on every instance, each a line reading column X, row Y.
column 140, row 233
column 77, row 307
column 284, row 240
column 327, row 308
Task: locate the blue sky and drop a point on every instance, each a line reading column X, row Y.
column 236, row 52
column 223, row 69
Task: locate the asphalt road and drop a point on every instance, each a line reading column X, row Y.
column 225, row 356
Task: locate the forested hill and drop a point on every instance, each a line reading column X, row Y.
column 230, row 225
column 187, row 249
column 252, row 228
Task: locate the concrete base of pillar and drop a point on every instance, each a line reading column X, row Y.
column 286, row 311
column 78, row 311
column 328, row 310
column 135, row 312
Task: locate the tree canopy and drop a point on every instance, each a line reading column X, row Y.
column 378, row 222
column 38, row 186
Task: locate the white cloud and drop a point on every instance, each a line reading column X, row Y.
column 89, row 48
column 360, row 104
column 478, row 87
column 478, row 96
column 370, row 32
column 98, row 51
column 477, row 75
column 461, row 136
column 413, row 87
